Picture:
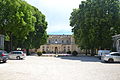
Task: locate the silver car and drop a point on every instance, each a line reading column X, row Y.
column 17, row 55
column 3, row 56
column 111, row 57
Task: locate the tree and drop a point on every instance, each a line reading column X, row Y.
column 16, row 18
column 22, row 24
column 95, row 22
column 39, row 36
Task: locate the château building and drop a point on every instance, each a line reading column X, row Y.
column 59, row 44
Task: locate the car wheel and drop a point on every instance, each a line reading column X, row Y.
column 4, row 61
column 18, row 57
column 110, row 60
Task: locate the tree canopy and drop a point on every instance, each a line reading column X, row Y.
column 95, row 22
column 21, row 23
column 39, row 36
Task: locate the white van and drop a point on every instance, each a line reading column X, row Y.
column 102, row 53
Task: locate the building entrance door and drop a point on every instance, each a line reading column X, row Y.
column 56, row 50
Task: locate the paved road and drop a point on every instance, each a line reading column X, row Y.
column 61, row 68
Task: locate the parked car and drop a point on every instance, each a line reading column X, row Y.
column 17, row 55
column 111, row 57
column 3, row 56
column 102, row 53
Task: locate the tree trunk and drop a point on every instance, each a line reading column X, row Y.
column 86, row 52
column 27, row 52
column 92, row 52
column 11, row 46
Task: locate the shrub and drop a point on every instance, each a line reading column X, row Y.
column 39, row 53
column 43, row 52
column 69, row 52
column 74, row 53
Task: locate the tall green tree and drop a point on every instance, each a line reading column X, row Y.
column 16, row 18
column 22, row 24
column 39, row 36
column 95, row 22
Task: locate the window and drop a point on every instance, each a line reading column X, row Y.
column 16, row 53
column 0, row 52
column 49, row 41
column 43, row 48
column 62, row 41
column 68, row 47
column 116, row 54
column 67, row 41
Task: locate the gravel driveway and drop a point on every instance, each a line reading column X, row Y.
column 60, row 68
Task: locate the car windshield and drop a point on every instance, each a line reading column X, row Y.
column 3, row 52
column 106, row 53
column 0, row 52
column 115, row 53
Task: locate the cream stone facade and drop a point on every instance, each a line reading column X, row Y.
column 59, row 44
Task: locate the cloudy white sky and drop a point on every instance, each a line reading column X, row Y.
column 57, row 13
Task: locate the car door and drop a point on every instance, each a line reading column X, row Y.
column 16, row 54
column 116, row 57
column 13, row 55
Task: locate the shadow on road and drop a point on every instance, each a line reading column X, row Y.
column 110, row 62
column 2, row 62
column 83, row 58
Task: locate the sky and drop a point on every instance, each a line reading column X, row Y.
column 57, row 14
